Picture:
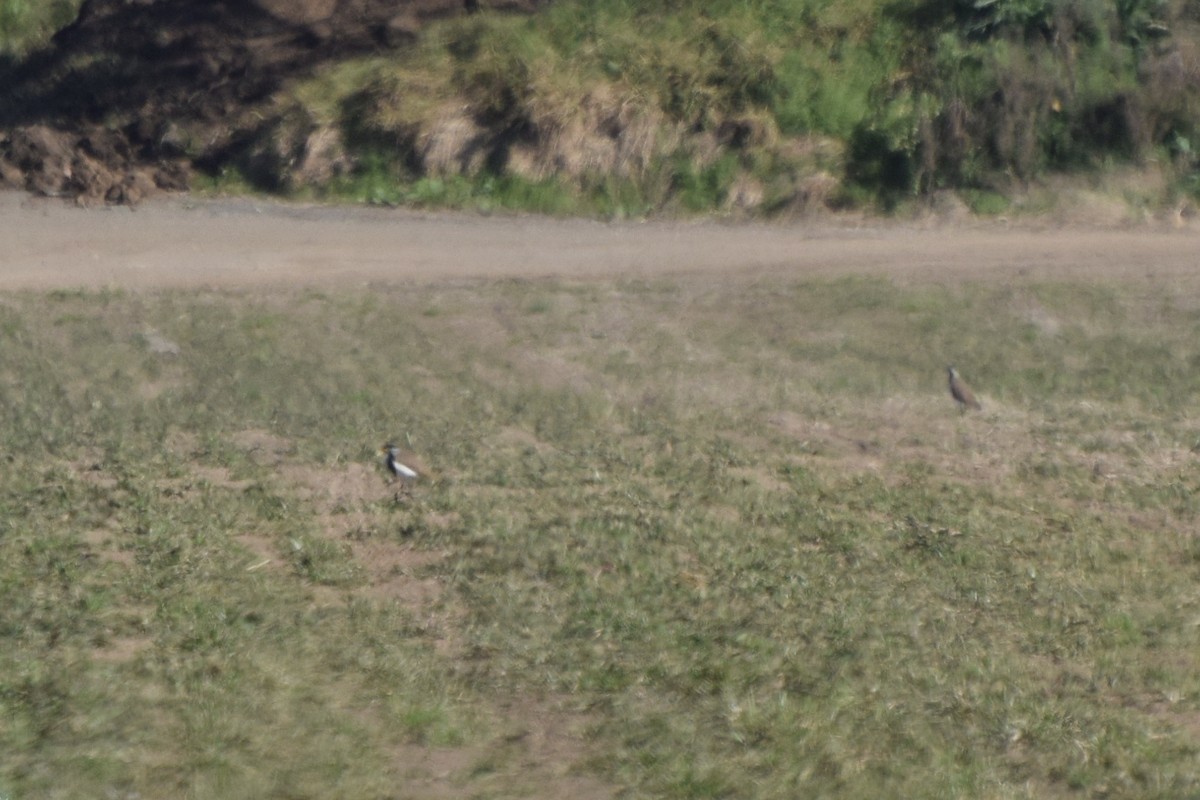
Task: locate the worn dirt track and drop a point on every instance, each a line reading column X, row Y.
column 185, row 242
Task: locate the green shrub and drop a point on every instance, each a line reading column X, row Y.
column 704, row 187
column 1021, row 87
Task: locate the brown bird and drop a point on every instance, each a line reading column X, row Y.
column 962, row 393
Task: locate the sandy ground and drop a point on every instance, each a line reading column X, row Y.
column 188, row 242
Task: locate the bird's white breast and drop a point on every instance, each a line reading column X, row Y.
column 401, row 469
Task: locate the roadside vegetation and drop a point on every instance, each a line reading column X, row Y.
column 682, row 539
column 623, row 108
column 628, row 108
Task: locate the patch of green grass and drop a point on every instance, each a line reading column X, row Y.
column 378, row 181
column 738, row 534
column 227, row 180
column 700, row 188
column 28, row 24
column 985, row 203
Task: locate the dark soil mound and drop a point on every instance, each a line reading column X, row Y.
column 135, row 93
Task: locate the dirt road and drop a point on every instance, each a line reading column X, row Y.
column 186, row 242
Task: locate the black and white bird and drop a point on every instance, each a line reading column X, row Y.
column 395, row 459
column 962, row 393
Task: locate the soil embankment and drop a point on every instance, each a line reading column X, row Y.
column 132, row 96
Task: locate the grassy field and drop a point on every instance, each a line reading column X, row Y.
column 684, row 538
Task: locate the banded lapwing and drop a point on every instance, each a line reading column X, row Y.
column 402, row 466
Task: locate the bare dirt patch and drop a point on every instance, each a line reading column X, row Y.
column 336, row 490
column 346, row 501
column 537, row 756
column 550, row 739
column 103, row 542
column 122, row 649
column 263, row 447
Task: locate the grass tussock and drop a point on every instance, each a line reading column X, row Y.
column 683, row 539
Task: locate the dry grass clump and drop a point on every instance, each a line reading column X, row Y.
column 449, row 123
